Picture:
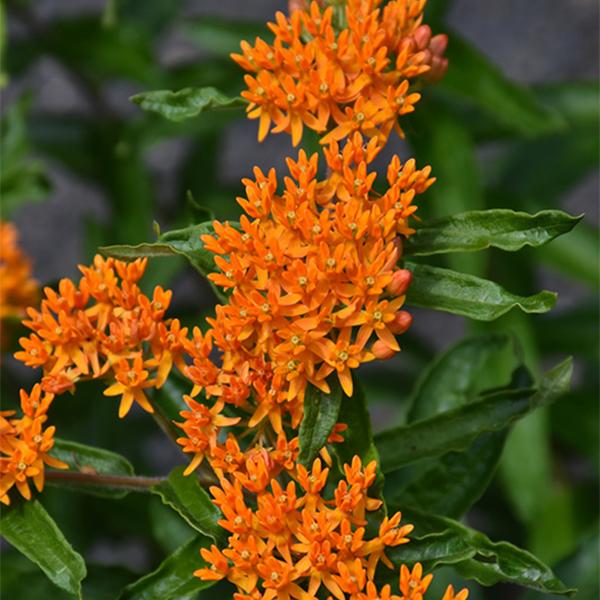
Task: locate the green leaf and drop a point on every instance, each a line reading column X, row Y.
column 320, row 415
column 467, row 295
column 454, row 379
column 185, row 104
column 457, row 376
column 32, row 531
column 184, row 242
column 456, row 429
column 191, row 501
column 460, row 478
column 478, row 230
column 174, row 578
column 440, row 541
column 471, row 77
column 222, row 36
column 88, row 459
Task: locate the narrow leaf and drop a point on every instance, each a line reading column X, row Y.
column 191, row 501
column 440, row 541
column 174, row 578
column 320, row 415
column 469, row 296
column 499, row 228
column 460, row 478
column 456, row 429
column 32, row 531
column 185, row 104
column 457, row 376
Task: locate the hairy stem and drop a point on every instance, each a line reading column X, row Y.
column 133, row 483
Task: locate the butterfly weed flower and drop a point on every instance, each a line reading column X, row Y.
column 104, row 327
column 315, row 286
column 338, row 76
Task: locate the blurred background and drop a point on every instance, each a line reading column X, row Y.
column 513, row 125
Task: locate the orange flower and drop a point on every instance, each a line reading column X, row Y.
column 412, row 584
column 201, row 425
column 357, row 76
column 132, row 379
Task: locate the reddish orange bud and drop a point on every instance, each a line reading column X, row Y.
column 382, row 351
column 402, row 321
column 422, row 36
column 400, row 282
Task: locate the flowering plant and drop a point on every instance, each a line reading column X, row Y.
column 282, row 487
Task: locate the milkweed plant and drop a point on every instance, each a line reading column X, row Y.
column 286, row 489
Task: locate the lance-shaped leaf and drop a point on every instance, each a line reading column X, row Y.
column 481, row 229
column 467, row 295
column 32, row 531
column 174, row 578
column 89, row 460
column 185, row 104
column 184, row 242
column 460, row 478
column 459, row 375
column 440, row 541
column 456, row 429
column 191, row 501
column 473, row 78
column 320, row 415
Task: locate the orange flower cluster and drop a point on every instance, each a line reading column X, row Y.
column 354, row 70
column 288, row 541
column 105, row 327
column 315, row 286
column 18, row 289
column 25, row 444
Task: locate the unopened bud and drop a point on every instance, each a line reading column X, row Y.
column 438, row 44
column 422, row 36
column 402, row 321
column 401, row 279
column 382, row 351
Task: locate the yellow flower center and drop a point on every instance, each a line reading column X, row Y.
column 343, row 355
column 291, row 98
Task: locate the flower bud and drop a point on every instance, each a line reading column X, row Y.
column 382, row 351
column 422, row 36
column 401, row 279
column 402, row 321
